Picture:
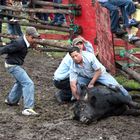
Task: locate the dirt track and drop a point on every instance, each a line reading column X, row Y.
column 54, row 122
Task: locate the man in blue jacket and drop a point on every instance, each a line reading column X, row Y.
column 23, row 87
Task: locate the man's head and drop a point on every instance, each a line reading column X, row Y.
column 75, row 54
column 31, row 34
column 78, row 42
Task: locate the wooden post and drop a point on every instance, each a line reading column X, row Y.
column 42, row 42
column 39, row 26
column 129, row 71
column 37, row 10
column 65, row 6
column 132, row 73
column 132, row 57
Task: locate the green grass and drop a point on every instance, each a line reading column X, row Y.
column 126, row 82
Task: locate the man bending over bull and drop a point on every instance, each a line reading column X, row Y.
column 61, row 75
column 86, row 70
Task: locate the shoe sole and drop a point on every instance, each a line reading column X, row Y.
column 35, row 115
column 10, row 104
column 135, row 25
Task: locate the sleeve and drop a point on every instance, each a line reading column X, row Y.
column 13, row 47
column 95, row 63
column 89, row 47
column 73, row 74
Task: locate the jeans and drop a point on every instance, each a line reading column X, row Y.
column 107, row 80
column 60, row 18
column 42, row 16
column 14, row 29
column 23, row 86
column 64, row 86
column 127, row 8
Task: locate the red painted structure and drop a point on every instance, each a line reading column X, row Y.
column 95, row 22
column 87, row 20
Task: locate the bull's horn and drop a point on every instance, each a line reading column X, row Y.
column 86, row 97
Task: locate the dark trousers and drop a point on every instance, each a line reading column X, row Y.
column 125, row 6
column 65, row 90
column 60, row 18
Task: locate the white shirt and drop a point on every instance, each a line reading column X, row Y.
column 26, row 41
column 63, row 70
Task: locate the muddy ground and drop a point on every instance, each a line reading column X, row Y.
column 54, row 122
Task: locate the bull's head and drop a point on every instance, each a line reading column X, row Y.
column 84, row 109
column 83, row 112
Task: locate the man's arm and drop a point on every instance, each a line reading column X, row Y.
column 10, row 48
column 89, row 46
column 83, row 39
column 74, row 89
column 95, row 77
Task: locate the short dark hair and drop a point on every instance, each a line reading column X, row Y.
column 73, row 49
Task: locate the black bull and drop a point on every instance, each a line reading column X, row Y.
column 100, row 102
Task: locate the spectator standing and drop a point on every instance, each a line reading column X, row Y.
column 14, row 27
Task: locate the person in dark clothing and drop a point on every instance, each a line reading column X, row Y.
column 24, row 2
column 127, row 8
column 59, row 19
column 23, row 87
column 14, row 27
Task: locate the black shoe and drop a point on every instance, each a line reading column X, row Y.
column 58, row 97
column 11, row 104
column 134, row 23
column 133, row 39
column 119, row 32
